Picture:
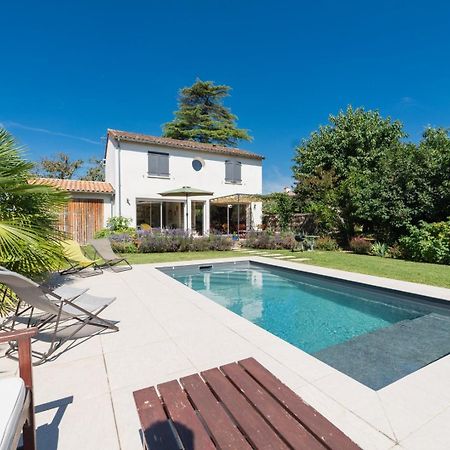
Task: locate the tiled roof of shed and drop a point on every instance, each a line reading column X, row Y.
column 98, row 187
column 181, row 144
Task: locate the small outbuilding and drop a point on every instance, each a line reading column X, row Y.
column 89, row 207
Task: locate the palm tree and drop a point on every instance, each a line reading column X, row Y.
column 29, row 235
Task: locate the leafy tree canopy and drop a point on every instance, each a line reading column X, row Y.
column 60, row 166
column 354, row 139
column 202, row 116
column 357, row 172
column 96, row 171
column 281, row 204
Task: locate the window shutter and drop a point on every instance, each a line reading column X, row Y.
column 152, row 163
column 164, row 165
column 228, row 171
column 237, row 172
column 158, row 164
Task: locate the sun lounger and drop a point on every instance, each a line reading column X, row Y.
column 77, row 260
column 58, row 319
column 103, row 249
column 16, row 394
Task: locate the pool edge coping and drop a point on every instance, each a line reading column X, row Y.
column 374, row 400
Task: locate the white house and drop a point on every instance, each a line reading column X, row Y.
column 140, row 167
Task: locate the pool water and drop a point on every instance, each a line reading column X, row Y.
column 309, row 311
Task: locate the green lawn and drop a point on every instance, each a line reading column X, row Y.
column 434, row 274
column 147, row 258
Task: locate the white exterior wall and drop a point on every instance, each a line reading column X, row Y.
column 132, row 181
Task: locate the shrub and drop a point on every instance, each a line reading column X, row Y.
column 428, row 242
column 379, row 249
column 218, row 243
column 270, row 241
column 360, row 245
column 103, row 233
column 395, row 251
column 326, row 243
column 123, row 243
column 157, row 241
column 179, row 241
column 118, row 223
column 258, row 239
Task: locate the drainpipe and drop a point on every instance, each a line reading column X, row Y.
column 119, row 178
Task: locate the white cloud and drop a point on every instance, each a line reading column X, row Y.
column 274, row 180
column 407, row 101
column 20, row 126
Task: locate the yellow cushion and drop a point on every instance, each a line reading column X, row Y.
column 72, row 251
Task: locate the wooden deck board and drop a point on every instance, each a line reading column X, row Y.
column 191, row 431
column 311, row 419
column 256, row 429
column 239, row 406
column 286, row 425
column 155, row 426
column 224, row 432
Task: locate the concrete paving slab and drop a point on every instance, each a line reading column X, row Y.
column 84, row 397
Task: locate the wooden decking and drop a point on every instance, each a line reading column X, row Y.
column 237, row 406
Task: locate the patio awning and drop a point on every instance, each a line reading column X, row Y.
column 185, row 191
column 236, row 199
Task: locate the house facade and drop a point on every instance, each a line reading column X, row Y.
column 141, row 167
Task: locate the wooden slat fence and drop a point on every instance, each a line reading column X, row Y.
column 82, row 218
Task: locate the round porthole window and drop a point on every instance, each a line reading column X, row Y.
column 197, row 164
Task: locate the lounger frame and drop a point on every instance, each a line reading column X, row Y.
column 55, row 319
column 27, row 422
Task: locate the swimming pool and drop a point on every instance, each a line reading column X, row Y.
column 311, row 312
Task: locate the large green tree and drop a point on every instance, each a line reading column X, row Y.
column 435, row 146
column 282, row 205
column 357, row 172
column 202, row 116
column 60, row 166
column 411, row 183
column 327, row 164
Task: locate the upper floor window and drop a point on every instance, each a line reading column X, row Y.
column 233, row 171
column 158, row 164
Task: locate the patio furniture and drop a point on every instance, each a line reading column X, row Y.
column 59, row 319
column 240, row 406
column 103, row 249
column 16, row 394
column 304, row 241
column 77, row 260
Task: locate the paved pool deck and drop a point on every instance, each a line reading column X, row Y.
column 84, row 397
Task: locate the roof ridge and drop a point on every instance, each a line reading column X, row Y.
column 180, row 143
column 71, row 185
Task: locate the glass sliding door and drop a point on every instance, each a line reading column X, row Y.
column 173, row 215
column 197, row 210
column 160, row 214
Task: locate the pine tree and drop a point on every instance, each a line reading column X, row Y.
column 202, row 116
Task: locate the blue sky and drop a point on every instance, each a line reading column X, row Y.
column 70, row 70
